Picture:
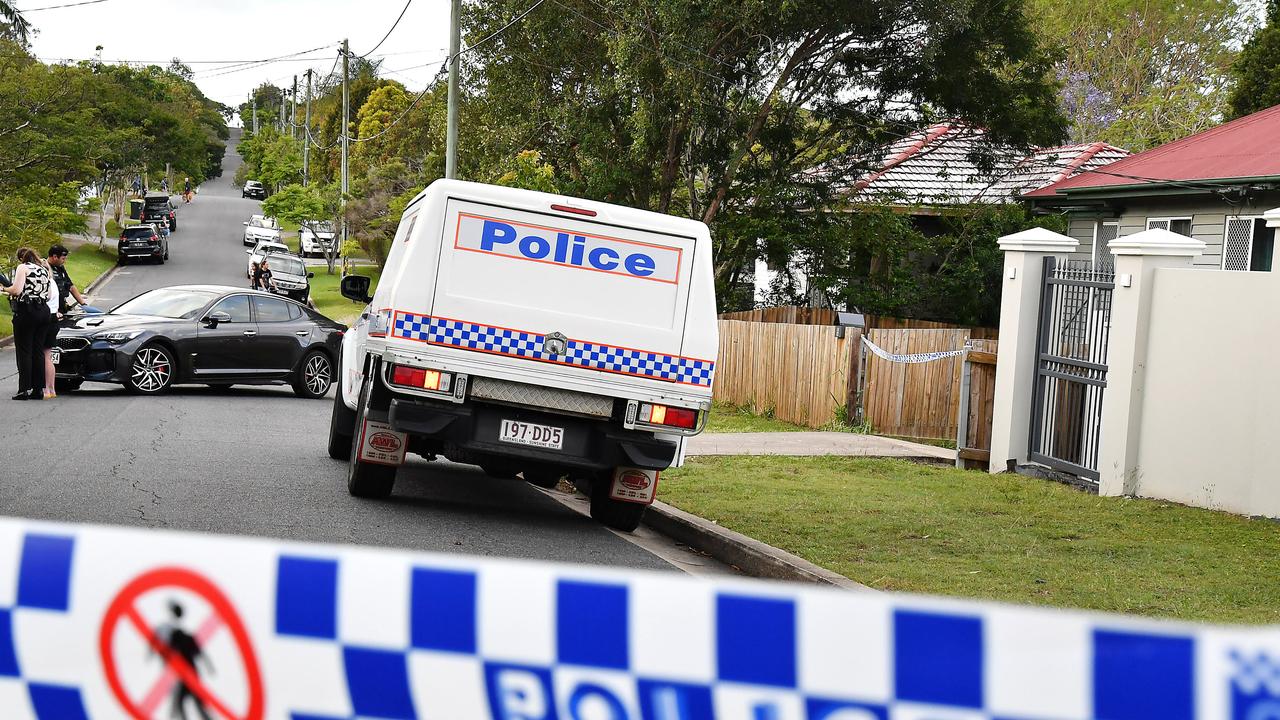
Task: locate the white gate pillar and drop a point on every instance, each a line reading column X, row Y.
column 1136, row 257
column 1024, row 255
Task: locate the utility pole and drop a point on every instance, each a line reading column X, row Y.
column 306, row 135
column 255, row 113
column 293, row 110
column 451, row 133
column 346, row 111
column 281, row 120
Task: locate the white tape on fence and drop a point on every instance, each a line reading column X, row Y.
column 913, row 358
column 112, row 623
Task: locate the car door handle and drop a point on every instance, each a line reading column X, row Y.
column 249, row 333
column 304, row 333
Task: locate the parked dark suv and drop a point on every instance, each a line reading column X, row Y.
column 142, row 242
column 254, row 189
column 156, row 207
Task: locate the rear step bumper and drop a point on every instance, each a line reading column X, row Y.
column 474, row 428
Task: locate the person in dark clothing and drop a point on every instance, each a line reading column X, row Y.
column 181, row 643
column 255, row 276
column 30, row 293
column 67, row 289
column 264, row 276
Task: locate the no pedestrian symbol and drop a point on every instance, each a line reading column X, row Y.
column 172, row 644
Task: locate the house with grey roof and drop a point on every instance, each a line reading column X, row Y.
column 946, row 167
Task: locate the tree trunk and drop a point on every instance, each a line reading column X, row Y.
column 744, row 150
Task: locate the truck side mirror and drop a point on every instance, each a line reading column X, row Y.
column 356, row 288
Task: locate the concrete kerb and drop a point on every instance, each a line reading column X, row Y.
column 753, row 557
column 7, row 340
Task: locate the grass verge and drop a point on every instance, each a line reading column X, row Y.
column 85, row 264
column 329, row 301
column 895, row 525
column 726, row 418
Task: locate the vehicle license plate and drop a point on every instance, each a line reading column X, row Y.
column 523, row 433
column 55, row 356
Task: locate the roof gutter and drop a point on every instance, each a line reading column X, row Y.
column 1164, row 187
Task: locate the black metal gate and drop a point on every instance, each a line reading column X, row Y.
column 1071, row 362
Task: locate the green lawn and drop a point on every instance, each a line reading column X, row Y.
column 329, row 301
column 726, row 418
column 895, row 525
column 85, row 264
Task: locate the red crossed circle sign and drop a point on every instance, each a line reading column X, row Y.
column 124, row 609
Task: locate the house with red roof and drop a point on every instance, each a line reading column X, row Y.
column 1221, row 187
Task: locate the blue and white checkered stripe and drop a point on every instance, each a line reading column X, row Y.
column 517, row 642
column 33, row 678
column 347, row 633
column 516, row 343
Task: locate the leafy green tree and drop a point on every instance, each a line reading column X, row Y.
column 377, row 201
column 306, row 206
column 1140, row 73
column 527, row 171
column 1257, row 69
column 749, row 116
column 12, row 25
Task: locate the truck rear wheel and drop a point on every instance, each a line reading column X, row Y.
column 619, row 515
column 365, row 479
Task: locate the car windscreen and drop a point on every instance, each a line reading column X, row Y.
column 139, row 231
column 167, row 303
column 268, row 248
column 322, row 227
column 263, row 223
column 286, row 265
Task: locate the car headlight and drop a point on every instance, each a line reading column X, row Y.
column 117, row 336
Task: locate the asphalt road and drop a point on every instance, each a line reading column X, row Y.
column 252, row 460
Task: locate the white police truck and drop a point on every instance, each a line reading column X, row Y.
column 531, row 334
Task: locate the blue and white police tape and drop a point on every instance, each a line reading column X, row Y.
column 107, row 623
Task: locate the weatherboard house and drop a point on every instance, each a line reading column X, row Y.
column 1220, row 186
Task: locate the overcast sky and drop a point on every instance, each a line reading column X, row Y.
column 241, row 30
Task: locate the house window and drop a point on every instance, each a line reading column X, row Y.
column 1248, row 244
column 1180, row 225
column 1104, row 231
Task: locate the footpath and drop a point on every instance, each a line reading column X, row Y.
column 815, row 443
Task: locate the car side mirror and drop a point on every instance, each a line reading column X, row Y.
column 310, row 275
column 215, row 318
column 245, row 223
column 249, row 251
column 356, row 288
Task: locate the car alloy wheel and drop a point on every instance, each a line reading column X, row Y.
column 152, row 370
column 318, row 374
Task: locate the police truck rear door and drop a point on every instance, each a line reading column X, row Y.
column 511, row 278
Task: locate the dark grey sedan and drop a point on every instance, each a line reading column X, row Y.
column 207, row 334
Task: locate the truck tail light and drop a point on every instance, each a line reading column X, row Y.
column 669, row 416
column 421, row 378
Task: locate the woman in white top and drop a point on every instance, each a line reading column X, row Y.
column 30, row 293
column 50, row 337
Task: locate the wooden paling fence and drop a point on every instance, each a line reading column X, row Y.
column 791, row 314
column 803, row 373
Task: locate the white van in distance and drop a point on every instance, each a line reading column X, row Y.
column 531, row 334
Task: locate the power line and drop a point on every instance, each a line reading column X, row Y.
column 393, row 29
column 59, row 7
column 248, row 64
